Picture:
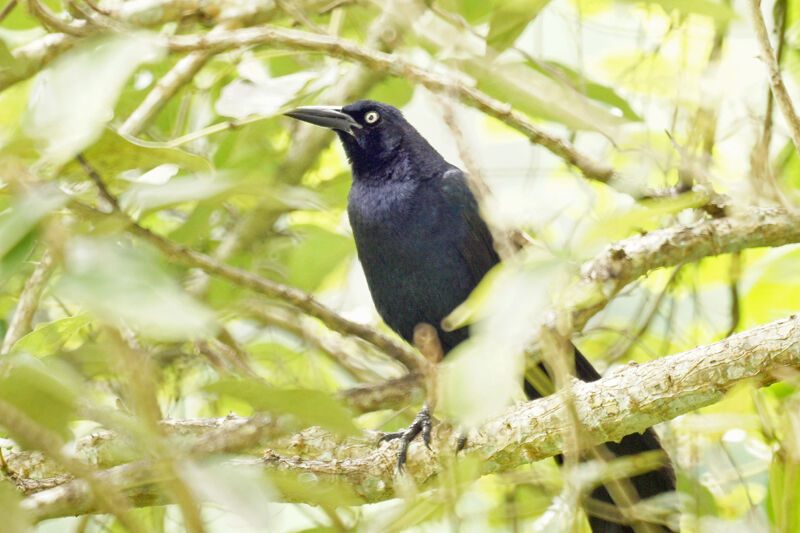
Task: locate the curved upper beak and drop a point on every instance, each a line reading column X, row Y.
column 325, row 115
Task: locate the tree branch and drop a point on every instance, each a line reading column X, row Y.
column 396, row 66
column 775, row 78
column 630, row 400
column 624, row 261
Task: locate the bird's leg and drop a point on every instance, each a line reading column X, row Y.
column 426, row 340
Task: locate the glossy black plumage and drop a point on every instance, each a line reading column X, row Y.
column 424, row 246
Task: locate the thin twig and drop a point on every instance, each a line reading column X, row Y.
column 395, row 66
column 7, row 9
column 28, row 302
column 775, row 78
column 296, row 297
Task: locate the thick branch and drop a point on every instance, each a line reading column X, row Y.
column 627, row 401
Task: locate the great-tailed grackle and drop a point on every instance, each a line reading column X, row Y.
column 424, row 247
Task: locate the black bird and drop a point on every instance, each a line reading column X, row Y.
column 424, row 247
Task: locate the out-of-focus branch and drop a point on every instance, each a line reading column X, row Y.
column 396, row 66
column 775, row 78
column 28, row 302
column 630, row 400
column 300, row 299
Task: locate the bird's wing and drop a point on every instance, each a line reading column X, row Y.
column 475, row 244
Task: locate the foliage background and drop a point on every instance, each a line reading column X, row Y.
column 120, row 331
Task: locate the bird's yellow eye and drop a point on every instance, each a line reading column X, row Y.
column 371, row 117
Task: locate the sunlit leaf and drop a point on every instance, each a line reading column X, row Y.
column 123, row 284
column 146, row 196
column 16, row 222
column 326, row 493
column 15, row 519
column 509, row 19
column 238, row 489
column 74, row 98
column 319, row 253
column 48, row 338
column 538, row 95
column 114, row 156
column 43, row 392
column 596, row 91
column 720, row 11
column 312, row 407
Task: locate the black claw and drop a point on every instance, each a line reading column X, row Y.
column 422, row 424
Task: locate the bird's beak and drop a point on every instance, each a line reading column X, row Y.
column 325, row 115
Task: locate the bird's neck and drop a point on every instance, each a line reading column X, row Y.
column 404, row 163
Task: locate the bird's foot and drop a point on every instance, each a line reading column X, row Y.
column 423, row 423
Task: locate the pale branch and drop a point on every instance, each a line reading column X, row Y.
column 20, row 323
column 396, row 66
column 775, row 78
column 626, row 260
column 203, row 436
column 32, row 57
column 629, row 400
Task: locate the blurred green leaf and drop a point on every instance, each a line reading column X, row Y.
column 44, row 392
column 509, row 19
column 123, row 284
column 783, row 494
column 596, row 91
column 113, row 156
column 15, row 223
column 320, row 252
column 48, row 338
column 9, row 65
column 719, row 11
column 145, row 196
column 15, row 519
column 314, row 490
column 74, row 98
column 311, row 407
column 541, row 96
column 239, row 489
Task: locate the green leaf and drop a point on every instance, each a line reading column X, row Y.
column 532, row 92
column 74, row 98
column 721, row 13
column 145, row 196
column 9, row 65
column 44, row 392
column 315, row 490
column 311, row 407
column 112, row 155
column 48, row 339
column 123, row 284
column 509, row 19
column 320, row 252
column 598, row 92
column 18, row 221
column 15, row 519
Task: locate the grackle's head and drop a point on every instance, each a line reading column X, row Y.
column 375, row 135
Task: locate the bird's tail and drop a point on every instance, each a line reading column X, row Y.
column 646, row 485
